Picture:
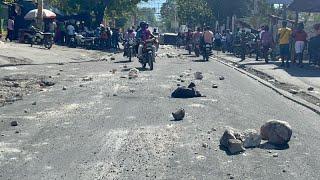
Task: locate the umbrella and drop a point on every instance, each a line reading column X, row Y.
column 46, row 14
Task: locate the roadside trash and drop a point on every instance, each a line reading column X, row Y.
column 133, row 73
column 184, row 92
column 14, row 123
column 198, row 75
column 179, row 115
column 276, row 132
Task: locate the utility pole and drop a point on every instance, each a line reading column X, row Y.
column 39, row 15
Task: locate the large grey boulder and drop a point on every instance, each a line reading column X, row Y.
column 251, row 138
column 276, row 132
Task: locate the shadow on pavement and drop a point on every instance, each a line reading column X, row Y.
column 269, row 146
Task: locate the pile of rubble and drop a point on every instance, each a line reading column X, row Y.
column 277, row 133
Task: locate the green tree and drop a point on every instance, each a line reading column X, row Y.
column 168, row 14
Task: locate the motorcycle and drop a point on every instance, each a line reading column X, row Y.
column 72, row 42
column 197, row 49
column 147, row 54
column 207, row 51
column 130, row 49
column 41, row 38
column 189, row 48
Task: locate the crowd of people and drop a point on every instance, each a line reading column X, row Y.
column 261, row 42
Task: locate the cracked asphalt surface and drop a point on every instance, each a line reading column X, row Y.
column 118, row 128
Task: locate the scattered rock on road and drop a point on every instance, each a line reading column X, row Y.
column 64, row 88
column 221, row 78
column 184, row 92
column 235, row 146
column 179, row 115
column 251, row 138
column 87, row 79
column 198, row 75
column 133, row 73
column 214, row 86
column 310, row 89
column 34, row 103
column 46, row 83
column 293, row 91
column 276, row 132
column 228, row 134
column 14, row 123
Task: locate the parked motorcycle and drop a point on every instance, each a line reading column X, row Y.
column 41, row 38
column 148, row 54
column 130, row 49
column 207, row 51
column 72, row 42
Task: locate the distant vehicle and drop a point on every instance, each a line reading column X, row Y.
column 148, row 54
column 41, row 38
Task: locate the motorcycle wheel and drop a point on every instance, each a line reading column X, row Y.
column 150, row 62
column 47, row 44
column 130, row 55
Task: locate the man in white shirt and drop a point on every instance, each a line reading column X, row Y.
column 70, row 32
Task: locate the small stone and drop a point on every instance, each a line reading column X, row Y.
column 276, row 132
column 17, row 132
column 179, row 115
column 112, row 58
column 275, row 155
column 231, row 177
column 214, row 86
column 25, row 111
column 60, row 64
column 235, row 146
column 293, row 91
column 14, row 123
column 198, row 75
column 228, row 134
column 114, row 71
column 221, row 78
column 132, row 90
column 182, row 80
column 115, row 95
column 178, row 85
column 61, row 70
column 284, row 171
column 87, row 79
column 64, row 88
column 58, row 74
column 251, row 138
column 50, row 76
column 310, row 89
column 34, row 103
column 81, row 85
column 205, row 145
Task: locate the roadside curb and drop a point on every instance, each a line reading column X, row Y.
column 284, row 93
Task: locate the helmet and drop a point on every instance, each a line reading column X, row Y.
column 143, row 24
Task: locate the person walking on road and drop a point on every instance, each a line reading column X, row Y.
column 300, row 37
column 266, row 42
column 283, row 37
column 10, row 29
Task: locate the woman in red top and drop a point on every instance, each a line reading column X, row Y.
column 300, row 37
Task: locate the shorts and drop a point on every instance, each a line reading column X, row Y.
column 299, row 47
column 284, row 50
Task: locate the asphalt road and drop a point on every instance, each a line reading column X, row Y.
column 118, row 128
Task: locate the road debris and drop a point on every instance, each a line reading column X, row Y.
column 46, row 83
column 133, row 73
column 87, row 78
column 251, row 138
column 221, row 78
column 214, row 86
column 310, row 89
column 14, row 123
column 276, row 132
column 186, row 92
column 198, row 75
column 179, row 115
column 64, row 88
column 293, row 91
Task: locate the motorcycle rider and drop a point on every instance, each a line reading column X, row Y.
column 197, row 36
column 131, row 34
column 207, row 36
column 142, row 36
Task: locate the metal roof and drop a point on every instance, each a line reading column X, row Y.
column 305, row 6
